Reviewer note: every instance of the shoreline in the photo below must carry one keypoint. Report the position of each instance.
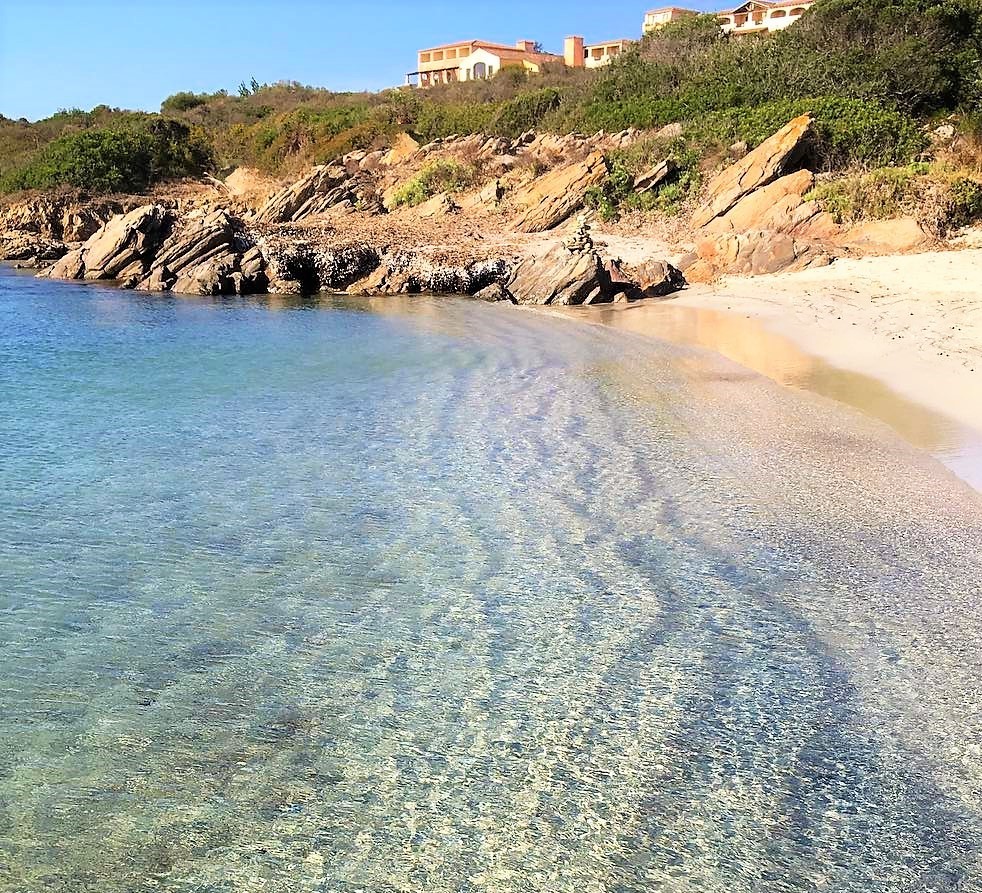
(898, 338)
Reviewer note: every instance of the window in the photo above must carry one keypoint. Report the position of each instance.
(451, 54)
(424, 57)
(438, 56)
(778, 14)
(797, 11)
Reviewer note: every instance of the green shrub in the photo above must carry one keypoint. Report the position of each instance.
(436, 177)
(877, 194)
(847, 132)
(124, 159)
(183, 102)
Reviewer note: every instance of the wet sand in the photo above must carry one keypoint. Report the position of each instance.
(871, 334)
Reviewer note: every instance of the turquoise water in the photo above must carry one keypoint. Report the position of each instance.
(428, 595)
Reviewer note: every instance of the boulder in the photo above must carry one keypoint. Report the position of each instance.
(752, 254)
(894, 236)
(779, 206)
(655, 176)
(560, 277)
(402, 149)
(657, 278)
(495, 292)
(71, 266)
(325, 186)
(550, 199)
(773, 158)
(439, 205)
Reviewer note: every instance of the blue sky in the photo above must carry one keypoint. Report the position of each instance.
(58, 54)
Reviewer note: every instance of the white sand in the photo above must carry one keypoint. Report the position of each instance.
(912, 321)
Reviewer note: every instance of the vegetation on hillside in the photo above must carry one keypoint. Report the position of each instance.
(873, 72)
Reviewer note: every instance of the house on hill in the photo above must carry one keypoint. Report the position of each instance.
(472, 60)
(751, 17)
(762, 16)
(658, 18)
(479, 59)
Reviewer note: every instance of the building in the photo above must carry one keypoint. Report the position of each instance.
(762, 16)
(479, 59)
(475, 60)
(597, 54)
(657, 18)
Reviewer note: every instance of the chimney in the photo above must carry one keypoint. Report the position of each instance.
(573, 52)
(526, 46)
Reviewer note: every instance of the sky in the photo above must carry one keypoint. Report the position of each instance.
(56, 54)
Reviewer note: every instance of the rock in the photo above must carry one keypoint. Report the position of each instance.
(30, 249)
(894, 236)
(127, 243)
(548, 200)
(321, 189)
(495, 292)
(296, 266)
(778, 206)
(658, 278)
(439, 205)
(402, 149)
(753, 253)
(558, 277)
(207, 255)
(670, 131)
(214, 276)
(773, 158)
(655, 176)
(580, 240)
(738, 149)
(71, 266)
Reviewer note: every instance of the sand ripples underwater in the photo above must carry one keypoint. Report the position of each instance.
(412, 595)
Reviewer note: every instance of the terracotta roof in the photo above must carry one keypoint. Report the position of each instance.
(671, 9)
(486, 44)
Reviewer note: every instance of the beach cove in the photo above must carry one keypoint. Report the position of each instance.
(425, 593)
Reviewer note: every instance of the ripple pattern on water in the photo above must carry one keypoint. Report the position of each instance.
(409, 595)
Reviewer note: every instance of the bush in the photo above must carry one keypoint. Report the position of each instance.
(123, 159)
(437, 177)
(183, 102)
(848, 132)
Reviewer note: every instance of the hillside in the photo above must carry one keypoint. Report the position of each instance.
(872, 73)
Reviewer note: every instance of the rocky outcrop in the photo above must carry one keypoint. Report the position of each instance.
(325, 187)
(752, 253)
(59, 218)
(29, 249)
(779, 206)
(296, 265)
(208, 255)
(550, 199)
(412, 272)
(561, 277)
(123, 248)
(773, 158)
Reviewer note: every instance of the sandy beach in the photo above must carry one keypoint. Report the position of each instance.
(897, 337)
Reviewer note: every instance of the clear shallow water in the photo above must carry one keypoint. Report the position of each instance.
(432, 595)
(750, 343)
